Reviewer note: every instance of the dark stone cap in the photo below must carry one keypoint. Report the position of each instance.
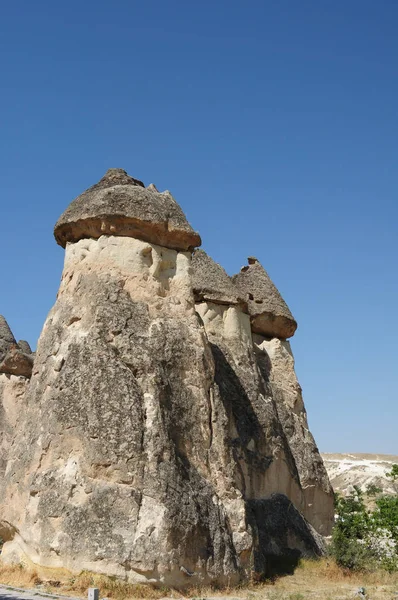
(6, 338)
(269, 313)
(211, 282)
(121, 205)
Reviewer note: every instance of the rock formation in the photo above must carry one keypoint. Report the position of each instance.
(15, 369)
(272, 322)
(269, 313)
(160, 441)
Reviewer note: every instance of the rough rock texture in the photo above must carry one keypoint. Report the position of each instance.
(17, 362)
(267, 425)
(6, 338)
(12, 390)
(211, 282)
(276, 363)
(269, 313)
(155, 441)
(120, 205)
(15, 367)
(25, 346)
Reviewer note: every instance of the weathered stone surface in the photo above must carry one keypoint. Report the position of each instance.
(25, 346)
(269, 313)
(156, 441)
(17, 362)
(140, 455)
(268, 458)
(276, 363)
(120, 205)
(6, 338)
(13, 363)
(211, 282)
(113, 457)
(12, 389)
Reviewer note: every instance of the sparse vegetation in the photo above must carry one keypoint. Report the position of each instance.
(313, 580)
(367, 539)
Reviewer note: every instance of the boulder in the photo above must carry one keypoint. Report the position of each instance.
(121, 205)
(269, 313)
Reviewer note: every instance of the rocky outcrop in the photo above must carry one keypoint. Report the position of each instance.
(25, 346)
(153, 445)
(211, 282)
(6, 338)
(276, 363)
(15, 369)
(17, 362)
(256, 377)
(121, 205)
(269, 313)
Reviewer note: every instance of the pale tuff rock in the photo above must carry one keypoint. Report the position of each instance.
(152, 444)
(12, 389)
(15, 368)
(120, 205)
(269, 313)
(276, 363)
(116, 442)
(362, 470)
(270, 459)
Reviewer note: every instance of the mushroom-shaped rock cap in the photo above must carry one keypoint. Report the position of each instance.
(269, 313)
(121, 205)
(17, 362)
(211, 282)
(25, 346)
(6, 338)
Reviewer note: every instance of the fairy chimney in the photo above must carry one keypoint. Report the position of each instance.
(150, 446)
(269, 313)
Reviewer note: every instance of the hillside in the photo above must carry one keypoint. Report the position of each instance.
(347, 470)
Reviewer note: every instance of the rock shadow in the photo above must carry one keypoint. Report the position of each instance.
(281, 534)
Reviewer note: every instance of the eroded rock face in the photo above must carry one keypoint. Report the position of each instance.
(260, 461)
(158, 441)
(276, 363)
(12, 390)
(115, 449)
(15, 369)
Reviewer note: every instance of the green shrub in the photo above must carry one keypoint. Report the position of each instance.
(365, 540)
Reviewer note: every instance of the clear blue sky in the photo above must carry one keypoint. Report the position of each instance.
(273, 123)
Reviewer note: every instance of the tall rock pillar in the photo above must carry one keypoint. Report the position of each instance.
(272, 323)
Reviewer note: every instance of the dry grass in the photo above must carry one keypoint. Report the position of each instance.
(324, 580)
(312, 580)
